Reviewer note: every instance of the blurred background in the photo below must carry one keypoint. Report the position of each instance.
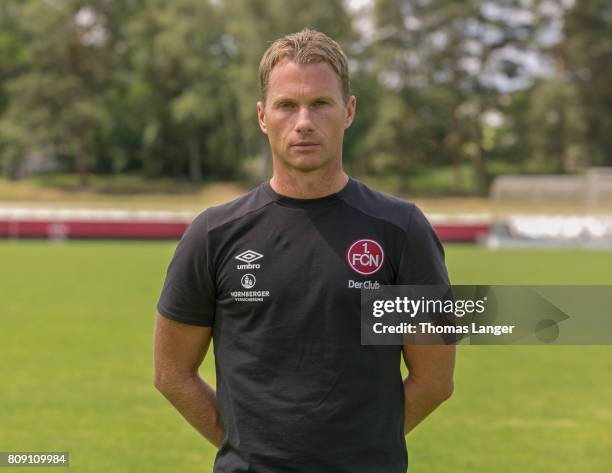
(115, 95)
(120, 120)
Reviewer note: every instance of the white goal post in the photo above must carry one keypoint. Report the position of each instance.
(553, 210)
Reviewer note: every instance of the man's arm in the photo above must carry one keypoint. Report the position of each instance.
(179, 351)
(429, 382)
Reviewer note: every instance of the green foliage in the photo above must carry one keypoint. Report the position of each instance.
(556, 126)
(170, 88)
(587, 56)
(445, 67)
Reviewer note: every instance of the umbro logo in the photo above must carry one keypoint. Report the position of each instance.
(249, 256)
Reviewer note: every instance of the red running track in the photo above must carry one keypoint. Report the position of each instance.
(171, 230)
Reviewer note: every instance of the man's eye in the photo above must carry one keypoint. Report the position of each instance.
(285, 105)
(320, 103)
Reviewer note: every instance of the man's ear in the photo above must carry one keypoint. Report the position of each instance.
(350, 108)
(261, 117)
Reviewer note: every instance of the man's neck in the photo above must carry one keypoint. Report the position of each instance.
(311, 185)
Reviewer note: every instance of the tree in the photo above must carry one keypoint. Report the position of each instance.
(12, 61)
(587, 57)
(56, 99)
(556, 125)
(183, 73)
(453, 61)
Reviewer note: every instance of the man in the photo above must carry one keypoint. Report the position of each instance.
(274, 276)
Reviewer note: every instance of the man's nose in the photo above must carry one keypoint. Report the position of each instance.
(304, 121)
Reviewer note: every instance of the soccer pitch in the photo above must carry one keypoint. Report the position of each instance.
(76, 328)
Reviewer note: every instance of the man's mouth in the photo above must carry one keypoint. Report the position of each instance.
(305, 145)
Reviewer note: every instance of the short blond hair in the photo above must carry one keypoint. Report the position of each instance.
(305, 47)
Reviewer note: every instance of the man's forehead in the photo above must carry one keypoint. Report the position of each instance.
(288, 77)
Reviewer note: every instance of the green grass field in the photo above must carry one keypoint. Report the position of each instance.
(76, 324)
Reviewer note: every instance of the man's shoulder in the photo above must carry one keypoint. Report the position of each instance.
(380, 205)
(219, 215)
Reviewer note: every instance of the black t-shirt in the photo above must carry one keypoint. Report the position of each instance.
(279, 281)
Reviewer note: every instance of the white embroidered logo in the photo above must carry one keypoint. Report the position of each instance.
(249, 256)
(248, 281)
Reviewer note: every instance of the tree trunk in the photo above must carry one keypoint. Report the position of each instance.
(195, 171)
(457, 161)
(479, 171)
(404, 172)
(81, 163)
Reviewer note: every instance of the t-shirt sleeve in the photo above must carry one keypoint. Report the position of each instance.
(422, 259)
(188, 294)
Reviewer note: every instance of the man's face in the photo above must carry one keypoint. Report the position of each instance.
(305, 116)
